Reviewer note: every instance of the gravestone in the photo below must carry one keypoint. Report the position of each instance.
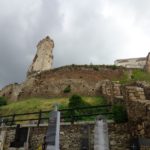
(20, 137)
(52, 135)
(101, 141)
(2, 139)
(138, 143)
(85, 138)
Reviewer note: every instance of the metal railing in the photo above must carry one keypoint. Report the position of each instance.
(68, 115)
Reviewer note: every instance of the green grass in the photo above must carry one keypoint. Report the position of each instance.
(125, 78)
(140, 75)
(135, 75)
(30, 105)
(36, 104)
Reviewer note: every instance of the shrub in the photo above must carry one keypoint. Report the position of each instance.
(95, 68)
(2, 101)
(139, 74)
(120, 113)
(67, 89)
(76, 101)
(114, 67)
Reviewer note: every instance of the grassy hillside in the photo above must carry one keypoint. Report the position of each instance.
(135, 75)
(36, 104)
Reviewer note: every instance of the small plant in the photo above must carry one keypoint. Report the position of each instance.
(95, 68)
(114, 67)
(2, 101)
(67, 89)
(73, 65)
(120, 113)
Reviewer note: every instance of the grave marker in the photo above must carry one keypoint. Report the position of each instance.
(52, 135)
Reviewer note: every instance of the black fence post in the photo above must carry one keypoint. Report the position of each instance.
(39, 119)
(13, 119)
(72, 112)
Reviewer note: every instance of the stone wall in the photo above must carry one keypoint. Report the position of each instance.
(134, 93)
(71, 136)
(139, 117)
(136, 102)
(84, 80)
(111, 90)
(11, 92)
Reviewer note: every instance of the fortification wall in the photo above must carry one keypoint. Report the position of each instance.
(84, 80)
(11, 92)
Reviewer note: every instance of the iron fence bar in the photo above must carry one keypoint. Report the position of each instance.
(86, 115)
(78, 108)
(39, 119)
(68, 109)
(61, 110)
(6, 116)
(25, 119)
(45, 118)
(23, 114)
(13, 119)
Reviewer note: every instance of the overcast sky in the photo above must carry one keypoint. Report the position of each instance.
(84, 32)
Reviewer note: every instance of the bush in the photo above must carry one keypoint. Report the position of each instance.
(76, 101)
(114, 67)
(141, 75)
(95, 68)
(67, 89)
(120, 113)
(2, 101)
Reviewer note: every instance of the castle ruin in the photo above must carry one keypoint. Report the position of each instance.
(44, 58)
(140, 63)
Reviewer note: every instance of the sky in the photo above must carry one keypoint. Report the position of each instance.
(84, 32)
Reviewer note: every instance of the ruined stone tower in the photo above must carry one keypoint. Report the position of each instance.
(44, 57)
(147, 66)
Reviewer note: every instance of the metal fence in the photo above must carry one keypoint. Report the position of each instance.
(67, 115)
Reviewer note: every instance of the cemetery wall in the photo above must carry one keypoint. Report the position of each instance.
(71, 136)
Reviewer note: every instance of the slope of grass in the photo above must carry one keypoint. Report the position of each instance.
(140, 75)
(135, 75)
(36, 104)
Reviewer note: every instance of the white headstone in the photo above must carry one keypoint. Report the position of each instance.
(101, 141)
